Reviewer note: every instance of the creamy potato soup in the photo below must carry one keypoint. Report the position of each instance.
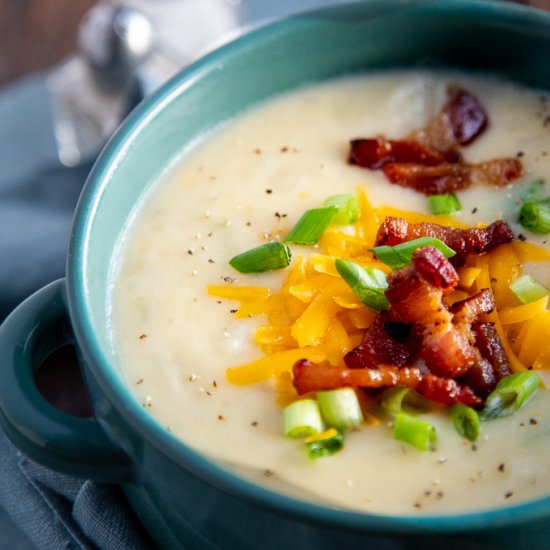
(249, 183)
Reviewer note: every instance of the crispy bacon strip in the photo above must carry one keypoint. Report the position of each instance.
(461, 120)
(385, 341)
(377, 152)
(447, 391)
(463, 241)
(447, 177)
(310, 377)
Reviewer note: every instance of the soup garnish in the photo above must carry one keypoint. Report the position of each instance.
(423, 318)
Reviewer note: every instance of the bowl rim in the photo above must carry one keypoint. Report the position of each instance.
(120, 395)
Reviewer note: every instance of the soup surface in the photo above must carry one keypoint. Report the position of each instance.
(250, 182)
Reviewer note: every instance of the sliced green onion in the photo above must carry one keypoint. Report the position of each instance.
(266, 257)
(311, 225)
(400, 255)
(340, 408)
(444, 204)
(403, 399)
(511, 394)
(528, 289)
(302, 418)
(348, 208)
(414, 431)
(328, 446)
(535, 216)
(368, 283)
(466, 421)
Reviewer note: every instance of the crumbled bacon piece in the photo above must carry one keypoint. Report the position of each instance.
(469, 310)
(481, 377)
(430, 263)
(310, 377)
(466, 115)
(385, 341)
(448, 351)
(460, 121)
(463, 241)
(496, 172)
(490, 348)
(447, 177)
(414, 297)
(431, 180)
(429, 160)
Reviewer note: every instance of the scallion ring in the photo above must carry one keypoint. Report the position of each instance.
(348, 209)
(325, 445)
(444, 204)
(368, 283)
(535, 216)
(311, 225)
(466, 421)
(403, 399)
(528, 289)
(511, 393)
(265, 257)
(340, 408)
(302, 418)
(416, 432)
(400, 255)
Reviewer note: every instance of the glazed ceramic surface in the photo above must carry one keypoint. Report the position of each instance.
(183, 499)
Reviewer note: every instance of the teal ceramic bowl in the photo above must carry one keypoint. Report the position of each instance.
(184, 500)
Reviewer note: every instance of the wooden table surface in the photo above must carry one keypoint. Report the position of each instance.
(35, 34)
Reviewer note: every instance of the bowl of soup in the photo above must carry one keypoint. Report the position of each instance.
(270, 360)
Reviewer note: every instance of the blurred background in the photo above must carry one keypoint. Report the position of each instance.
(37, 34)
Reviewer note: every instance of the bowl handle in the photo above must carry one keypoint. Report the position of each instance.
(76, 446)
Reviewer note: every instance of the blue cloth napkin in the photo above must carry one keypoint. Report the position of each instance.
(57, 511)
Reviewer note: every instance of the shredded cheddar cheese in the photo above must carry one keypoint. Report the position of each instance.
(241, 293)
(520, 314)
